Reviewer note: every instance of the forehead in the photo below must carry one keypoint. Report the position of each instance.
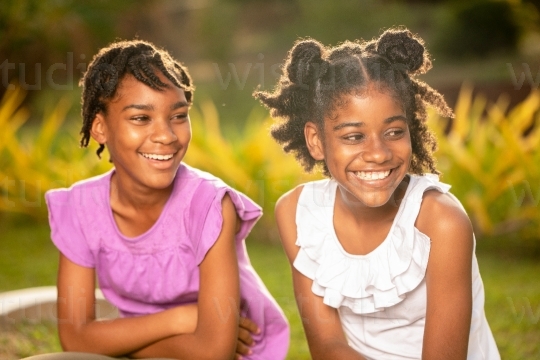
(130, 87)
(368, 103)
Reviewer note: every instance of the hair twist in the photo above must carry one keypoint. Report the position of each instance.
(317, 80)
(106, 70)
(401, 48)
(305, 62)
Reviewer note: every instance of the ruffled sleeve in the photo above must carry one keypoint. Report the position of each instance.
(364, 283)
(66, 231)
(207, 219)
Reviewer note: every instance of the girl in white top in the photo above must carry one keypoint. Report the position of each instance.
(382, 256)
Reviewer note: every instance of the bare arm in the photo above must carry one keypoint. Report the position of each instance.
(448, 277)
(80, 331)
(218, 303)
(321, 323)
(211, 335)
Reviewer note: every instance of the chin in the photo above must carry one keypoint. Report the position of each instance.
(161, 182)
(376, 200)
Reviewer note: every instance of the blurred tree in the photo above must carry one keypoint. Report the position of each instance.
(35, 34)
(478, 28)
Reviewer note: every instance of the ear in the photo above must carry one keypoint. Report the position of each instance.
(314, 140)
(99, 129)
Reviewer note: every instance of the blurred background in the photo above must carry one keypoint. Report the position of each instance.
(486, 63)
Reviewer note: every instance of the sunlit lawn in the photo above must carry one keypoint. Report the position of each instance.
(28, 259)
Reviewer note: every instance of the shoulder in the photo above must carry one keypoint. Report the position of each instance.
(80, 193)
(286, 205)
(318, 193)
(285, 213)
(208, 188)
(289, 199)
(444, 220)
(197, 177)
(210, 200)
(200, 186)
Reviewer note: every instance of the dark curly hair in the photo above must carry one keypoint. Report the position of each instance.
(108, 67)
(315, 79)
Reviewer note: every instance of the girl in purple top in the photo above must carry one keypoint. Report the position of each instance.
(165, 240)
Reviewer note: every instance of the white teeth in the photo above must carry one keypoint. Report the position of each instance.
(157, 157)
(372, 175)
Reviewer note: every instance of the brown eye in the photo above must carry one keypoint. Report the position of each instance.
(354, 137)
(180, 117)
(139, 118)
(395, 133)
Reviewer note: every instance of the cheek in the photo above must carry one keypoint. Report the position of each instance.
(406, 149)
(409, 145)
(132, 136)
(183, 133)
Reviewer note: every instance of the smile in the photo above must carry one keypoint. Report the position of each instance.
(158, 157)
(372, 175)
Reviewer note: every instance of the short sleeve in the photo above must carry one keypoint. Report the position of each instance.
(66, 231)
(206, 216)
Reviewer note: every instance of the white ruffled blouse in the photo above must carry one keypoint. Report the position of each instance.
(381, 296)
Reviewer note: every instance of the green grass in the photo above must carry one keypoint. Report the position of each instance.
(513, 304)
(512, 293)
(23, 339)
(27, 257)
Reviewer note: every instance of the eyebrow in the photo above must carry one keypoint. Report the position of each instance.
(139, 107)
(360, 123)
(177, 105)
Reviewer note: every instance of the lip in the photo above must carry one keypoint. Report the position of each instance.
(159, 160)
(373, 174)
(158, 155)
(375, 182)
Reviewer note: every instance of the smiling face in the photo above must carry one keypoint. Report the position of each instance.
(366, 146)
(147, 133)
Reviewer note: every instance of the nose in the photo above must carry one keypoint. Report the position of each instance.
(163, 132)
(376, 151)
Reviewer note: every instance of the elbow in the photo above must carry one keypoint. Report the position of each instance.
(219, 349)
(222, 353)
(68, 343)
(73, 343)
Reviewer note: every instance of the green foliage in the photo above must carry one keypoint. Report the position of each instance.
(490, 157)
(34, 160)
(478, 28)
(252, 162)
(26, 338)
(512, 304)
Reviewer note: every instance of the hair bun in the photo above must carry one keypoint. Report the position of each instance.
(402, 47)
(301, 57)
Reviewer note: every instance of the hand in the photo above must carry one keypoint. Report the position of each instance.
(246, 327)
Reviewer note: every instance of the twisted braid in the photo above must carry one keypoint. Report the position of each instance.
(138, 58)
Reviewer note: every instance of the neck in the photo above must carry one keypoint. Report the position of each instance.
(137, 196)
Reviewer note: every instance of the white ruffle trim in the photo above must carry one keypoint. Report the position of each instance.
(364, 283)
